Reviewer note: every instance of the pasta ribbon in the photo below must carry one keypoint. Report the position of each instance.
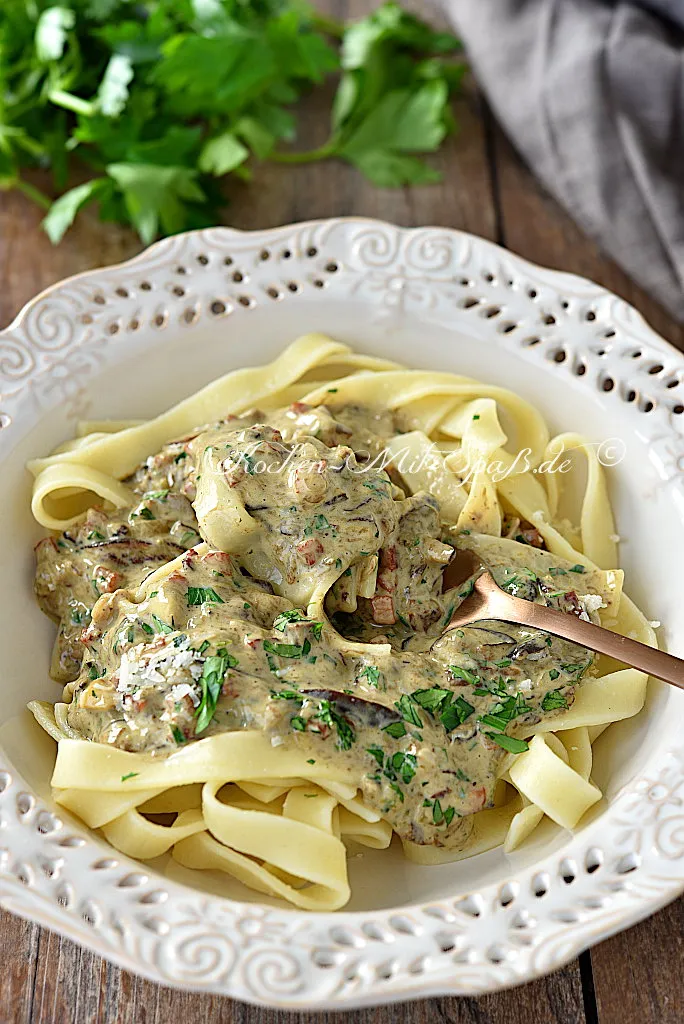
(258, 810)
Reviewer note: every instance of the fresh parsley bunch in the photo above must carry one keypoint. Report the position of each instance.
(160, 99)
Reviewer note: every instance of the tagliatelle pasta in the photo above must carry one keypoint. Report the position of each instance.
(248, 589)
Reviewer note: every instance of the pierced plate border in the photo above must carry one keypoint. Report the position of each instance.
(71, 881)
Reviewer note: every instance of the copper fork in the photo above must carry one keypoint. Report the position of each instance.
(486, 600)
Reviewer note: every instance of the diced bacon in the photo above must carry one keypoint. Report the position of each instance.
(234, 472)
(388, 558)
(309, 481)
(531, 535)
(43, 545)
(310, 550)
(219, 560)
(571, 604)
(387, 581)
(299, 408)
(478, 798)
(90, 633)
(383, 610)
(106, 580)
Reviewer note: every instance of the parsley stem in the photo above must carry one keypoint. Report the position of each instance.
(31, 192)
(327, 25)
(308, 156)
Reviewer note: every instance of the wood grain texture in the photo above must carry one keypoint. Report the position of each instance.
(638, 975)
(49, 980)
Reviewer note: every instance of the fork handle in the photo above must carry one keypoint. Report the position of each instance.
(569, 627)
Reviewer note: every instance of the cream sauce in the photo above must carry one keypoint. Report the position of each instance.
(220, 641)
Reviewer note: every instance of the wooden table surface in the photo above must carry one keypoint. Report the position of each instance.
(635, 976)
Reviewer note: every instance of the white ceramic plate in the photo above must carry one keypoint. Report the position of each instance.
(126, 342)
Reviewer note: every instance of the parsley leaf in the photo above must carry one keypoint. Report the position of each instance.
(160, 100)
(289, 615)
(203, 595)
(371, 674)
(554, 700)
(463, 673)
(287, 650)
(407, 710)
(211, 681)
(509, 743)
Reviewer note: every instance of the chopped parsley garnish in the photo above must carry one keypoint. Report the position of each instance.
(328, 715)
(554, 700)
(230, 658)
(203, 595)
(96, 535)
(431, 699)
(456, 713)
(371, 674)
(503, 663)
(161, 626)
(378, 753)
(441, 816)
(338, 563)
(289, 615)
(506, 711)
(575, 668)
(500, 716)
(554, 673)
(187, 537)
(408, 712)
(509, 743)
(577, 568)
(146, 513)
(317, 629)
(203, 646)
(95, 673)
(287, 650)
(311, 760)
(298, 723)
(129, 775)
(77, 616)
(286, 695)
(211, 681)
(467, 590)
(321, 523)
(395, 729)
(463, 673)
(180, 457)
(246, 605)
(146, 628)
(178, 736)
(403, 764)
(556, 571)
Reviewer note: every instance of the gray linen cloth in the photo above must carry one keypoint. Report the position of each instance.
(591, 93)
